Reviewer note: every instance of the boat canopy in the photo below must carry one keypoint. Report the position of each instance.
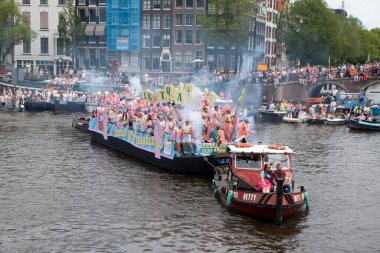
(259, 149)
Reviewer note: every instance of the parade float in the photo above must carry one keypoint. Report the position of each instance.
(154, 149)
(238, 186)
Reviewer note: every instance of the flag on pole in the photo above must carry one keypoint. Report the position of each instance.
(242, 96)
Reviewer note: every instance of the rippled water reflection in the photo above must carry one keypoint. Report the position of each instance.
(61, 193)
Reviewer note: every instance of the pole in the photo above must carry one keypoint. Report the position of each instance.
(280, 192)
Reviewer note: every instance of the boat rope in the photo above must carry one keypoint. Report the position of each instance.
(229, 197)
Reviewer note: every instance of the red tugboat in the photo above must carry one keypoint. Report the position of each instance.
(238, 187)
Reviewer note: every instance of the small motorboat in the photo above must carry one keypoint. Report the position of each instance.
(81, 123)
(302, 117)
(315, 121)
(363, 125)
(238, 186)
(336, 121)
(271, 115)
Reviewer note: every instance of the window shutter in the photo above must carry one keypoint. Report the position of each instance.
(44, 21)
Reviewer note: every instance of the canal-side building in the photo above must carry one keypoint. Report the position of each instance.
(188, 49)
(270, 34)
(93, 49)
(123, 34)
(45, 52)
(156, 37)
(255, 47)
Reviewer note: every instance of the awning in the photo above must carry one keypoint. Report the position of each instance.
(89, 31)
(100, 30)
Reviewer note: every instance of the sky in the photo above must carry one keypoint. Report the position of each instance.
(365, 10)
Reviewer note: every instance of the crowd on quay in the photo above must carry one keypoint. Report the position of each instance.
(303, 74)
(218, 125)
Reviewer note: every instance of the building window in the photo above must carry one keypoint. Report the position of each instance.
(102, 39)
(102, 59)
(156, 61)
(25, 1)
(146, 41)
(189, 3)
(156, 40)
(92, 57)
(189, 18)
(156, 22)
(197, 37)
(92, 14)
(178, 60)
(82, 2)
(91, 39)
(199, 55)
(167, 4)
(43, 1)
(26, 48)
(61, 1)
(60, 46)
(189, 37)
(44, 46)
(178, 3)
(92, 2)
(146, 22)
(44, 21)
(200, 3)
(102, 2)
(188, 59)
(166, 40)
(102, 15)
(146, 5)
(232, 63)
(220, 62)
(178, 36)
(156, 4)
(147, 62)
(178, 19)
(166, 22)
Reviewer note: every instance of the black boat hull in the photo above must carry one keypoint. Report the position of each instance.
(362, 126)
(195, 165)
(38, 106)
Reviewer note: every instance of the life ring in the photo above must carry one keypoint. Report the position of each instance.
(243, 145)
(275, 146)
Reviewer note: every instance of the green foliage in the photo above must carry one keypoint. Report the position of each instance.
(71, 29)
(313, 33)
(14, 27)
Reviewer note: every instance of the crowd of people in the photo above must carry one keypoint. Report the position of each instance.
(178, 123)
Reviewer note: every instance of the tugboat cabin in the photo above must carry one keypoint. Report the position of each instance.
(246, 164)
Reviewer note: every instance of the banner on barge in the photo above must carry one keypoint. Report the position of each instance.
(148, 142)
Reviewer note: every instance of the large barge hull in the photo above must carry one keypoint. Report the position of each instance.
(191, 164)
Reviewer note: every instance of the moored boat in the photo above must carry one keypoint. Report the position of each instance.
(81, 123)
(238, 187)
(302, 117)
(315, 121)
(363, 125)
(69, 107)
(38, 106)
(271, 115)
(336, 121)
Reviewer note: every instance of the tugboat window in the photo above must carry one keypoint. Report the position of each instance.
(248, 161)
(278, 158)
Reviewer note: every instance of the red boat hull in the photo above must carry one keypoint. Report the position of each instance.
(264, 206)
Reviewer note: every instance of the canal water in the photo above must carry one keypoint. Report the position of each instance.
(61, 193)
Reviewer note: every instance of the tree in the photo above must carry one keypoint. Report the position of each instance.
(15, 28)
(227, 23)
(71, 30)
(311, 32)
